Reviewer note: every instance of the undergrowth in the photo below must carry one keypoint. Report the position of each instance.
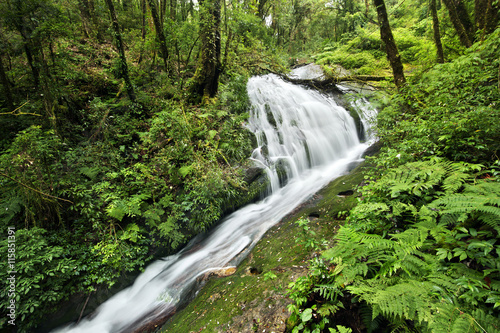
(420, 252)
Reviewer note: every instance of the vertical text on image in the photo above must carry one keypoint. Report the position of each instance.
(11, 280)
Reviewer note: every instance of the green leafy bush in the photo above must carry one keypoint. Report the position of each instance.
(451, 110)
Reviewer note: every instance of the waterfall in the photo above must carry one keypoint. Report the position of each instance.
(304, 141)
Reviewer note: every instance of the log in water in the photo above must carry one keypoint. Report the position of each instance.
(305, 140)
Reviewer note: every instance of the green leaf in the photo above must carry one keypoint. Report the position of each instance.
(185, 170)
(116, 210)
(306, 315)
(212, 134)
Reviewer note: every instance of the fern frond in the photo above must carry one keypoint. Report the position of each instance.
(328, 291)
(408, 299)
(478, 201)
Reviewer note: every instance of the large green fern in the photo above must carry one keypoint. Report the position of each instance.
(420, 251)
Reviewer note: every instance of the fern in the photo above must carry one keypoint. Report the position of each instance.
(420, 251)
(421, 178)
(408, 299)
(480, 202)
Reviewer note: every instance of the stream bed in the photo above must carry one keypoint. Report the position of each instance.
(305, 140)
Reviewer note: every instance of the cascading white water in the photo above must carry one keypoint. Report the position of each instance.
(367, 113)
(313, 141)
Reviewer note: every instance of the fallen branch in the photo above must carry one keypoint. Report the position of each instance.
(331, 81)
(84, 306)
(20, 113)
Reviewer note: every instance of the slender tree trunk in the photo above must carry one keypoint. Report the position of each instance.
(206, 79)
(226, 51)
(159, 33)
(173, 10)
(390, 44)
(143, 29)
(163, 11)
(458, 24)
(486, 15)
(437, 34)
(9, 101)
(47, 81)
(121, 51)
(34, 68)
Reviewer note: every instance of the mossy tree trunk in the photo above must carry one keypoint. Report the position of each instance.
(461, 21)
(486, 15)
(121, 50)
(437, 34)
(206, 79)
(96, 21)
(159, 33)
(390, 45)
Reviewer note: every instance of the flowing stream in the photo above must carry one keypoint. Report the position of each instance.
(304, 141)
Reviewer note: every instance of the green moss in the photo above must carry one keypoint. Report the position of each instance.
(259, 300)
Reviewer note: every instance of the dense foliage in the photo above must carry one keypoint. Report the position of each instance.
(420, 252)
(105, 160)
(109, 155)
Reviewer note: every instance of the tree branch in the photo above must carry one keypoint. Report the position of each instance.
(35, 190)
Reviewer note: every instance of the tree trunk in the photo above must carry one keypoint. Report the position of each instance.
(159, 33)
(390, 45)
(437, 34)
(163, 11)
(86, 17)
(9, 101)
(464, 17)
(121, 51)
(480, 9)
(458, 23)
(34, 67)
(143, 28)
(206, 79)
(486, 15)
(48, 82)
(173, 10)
(492, 16)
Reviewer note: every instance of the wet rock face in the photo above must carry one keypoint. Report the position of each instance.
(251, 174)
(308, 72)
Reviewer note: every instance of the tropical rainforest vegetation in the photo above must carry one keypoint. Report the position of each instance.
(122, 137)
